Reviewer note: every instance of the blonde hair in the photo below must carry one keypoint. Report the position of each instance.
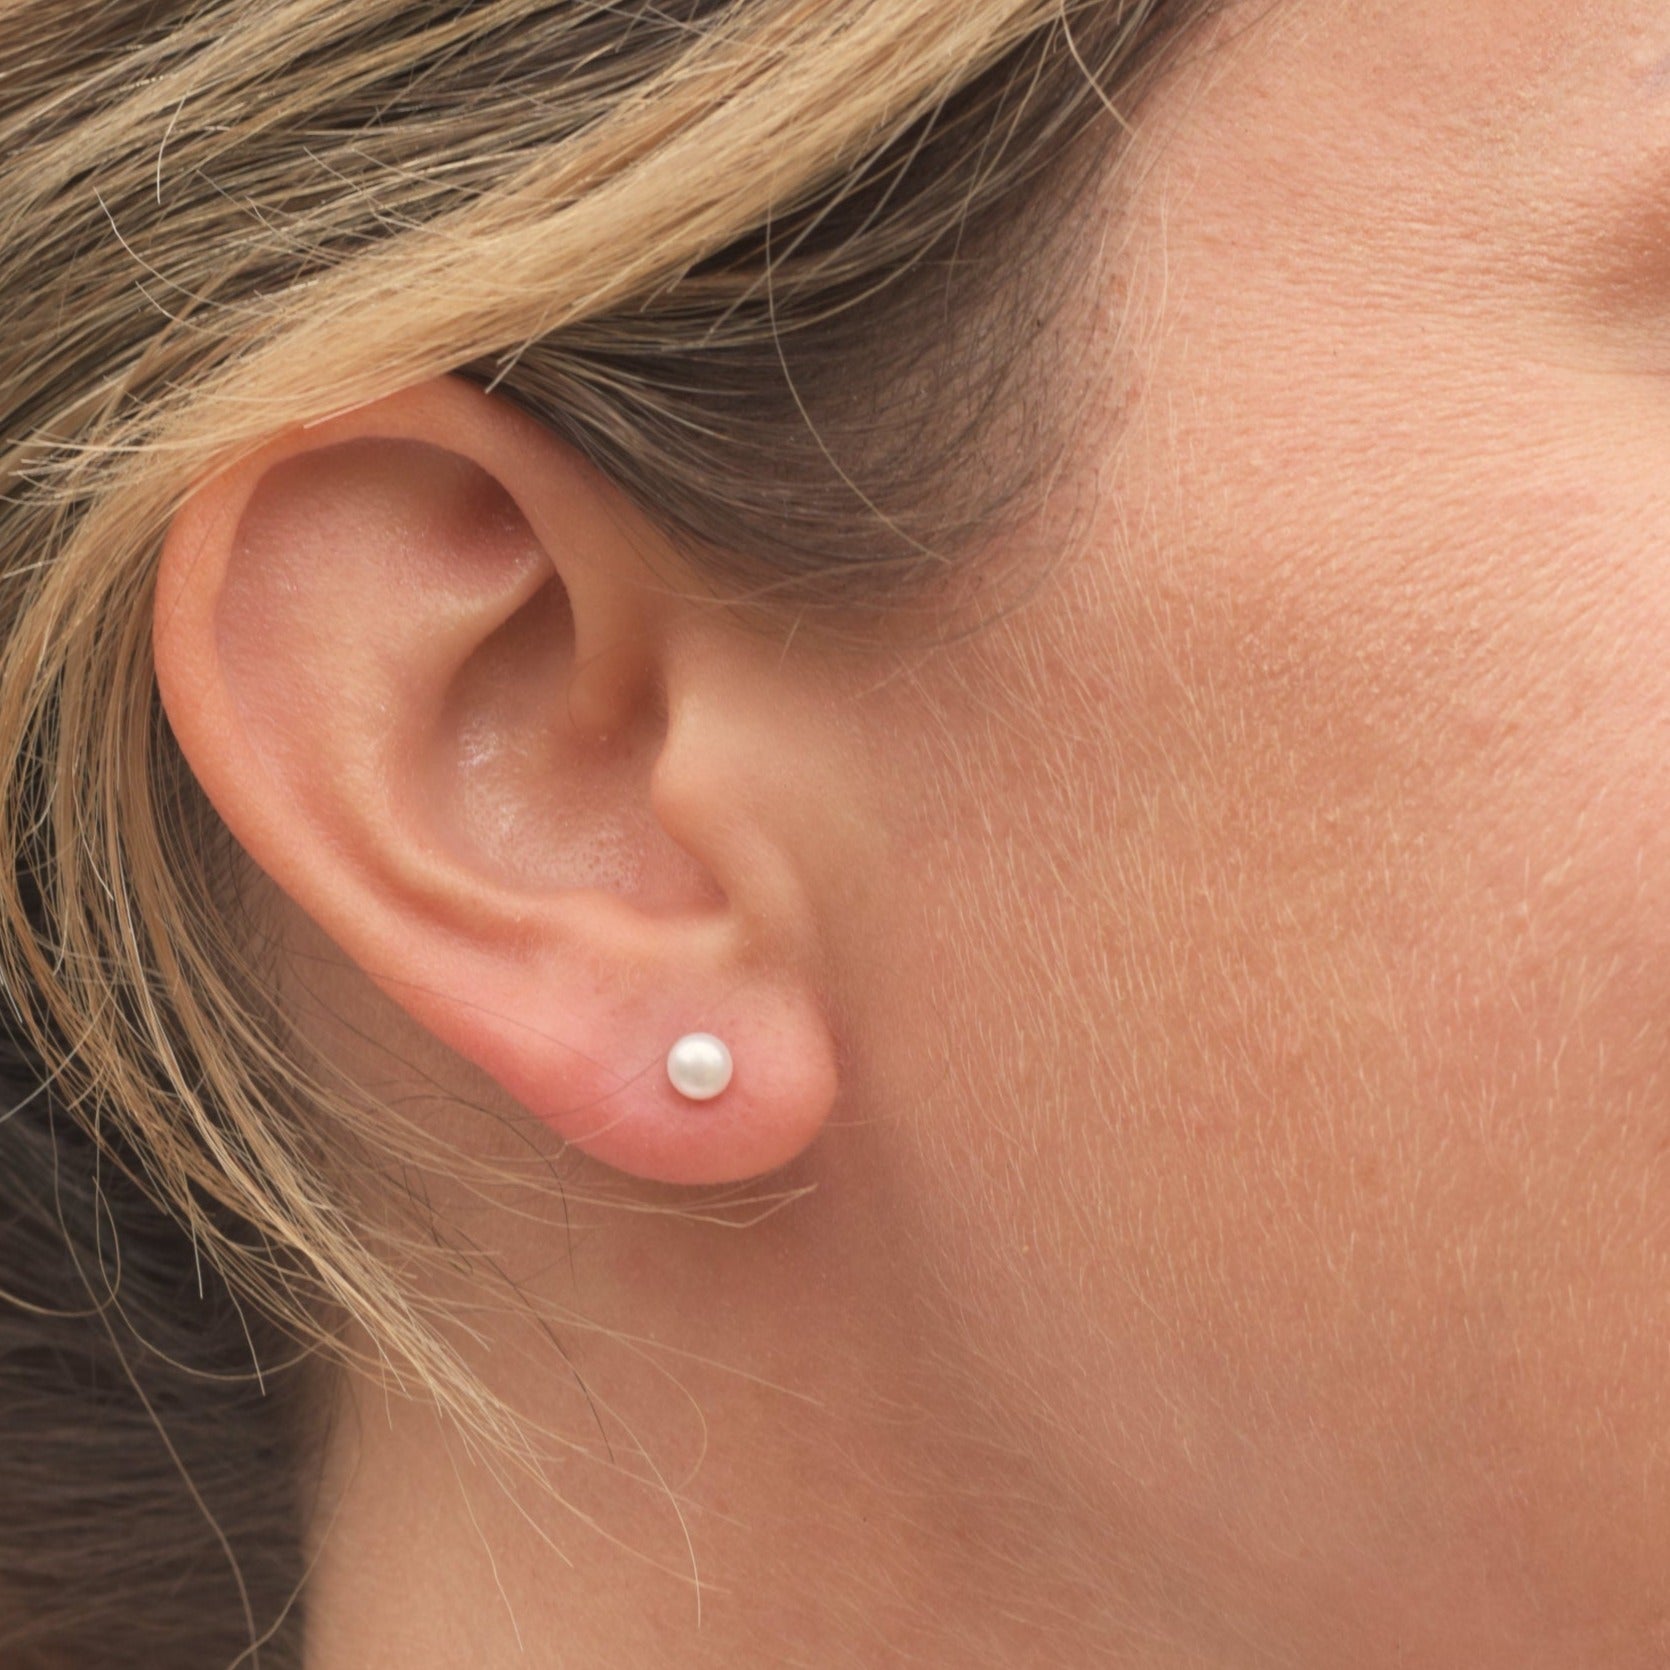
(668, 230)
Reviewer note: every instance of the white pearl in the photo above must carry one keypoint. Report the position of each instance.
(699, 1066)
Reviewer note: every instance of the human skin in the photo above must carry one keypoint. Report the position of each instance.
(1241, 1236)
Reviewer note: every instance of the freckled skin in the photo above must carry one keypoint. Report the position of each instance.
(1305, 1024)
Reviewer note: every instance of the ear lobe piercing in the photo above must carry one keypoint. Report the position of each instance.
(699, 1066)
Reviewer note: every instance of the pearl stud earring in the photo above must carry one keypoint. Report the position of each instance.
(699, 1066)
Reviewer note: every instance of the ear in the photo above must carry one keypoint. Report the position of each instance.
(417, 660)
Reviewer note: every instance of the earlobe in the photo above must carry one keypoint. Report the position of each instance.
(418, 663)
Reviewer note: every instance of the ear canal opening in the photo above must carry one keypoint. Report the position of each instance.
(541, 802)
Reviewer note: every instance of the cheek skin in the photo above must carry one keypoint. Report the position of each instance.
(1287, 1057)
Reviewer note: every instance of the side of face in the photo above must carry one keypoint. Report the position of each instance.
(1227, 970)
(1265, 999)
